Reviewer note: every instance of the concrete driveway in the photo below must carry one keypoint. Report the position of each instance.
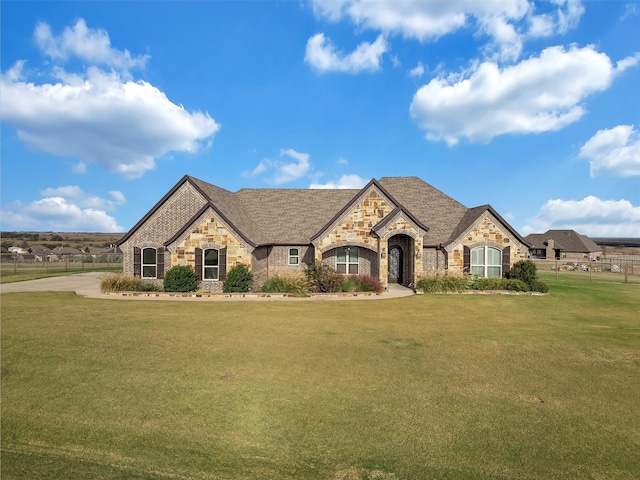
(88, 285)
(84, 284)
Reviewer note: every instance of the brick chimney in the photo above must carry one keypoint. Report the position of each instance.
(551, 251)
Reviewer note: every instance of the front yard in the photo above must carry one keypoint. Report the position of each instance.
(430, 386)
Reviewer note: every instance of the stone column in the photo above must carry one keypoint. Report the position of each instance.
(418, 264)
(383, 259)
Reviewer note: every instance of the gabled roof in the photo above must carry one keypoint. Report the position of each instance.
(472, 214)
(265, 216)
(567, 240)
(438, 211)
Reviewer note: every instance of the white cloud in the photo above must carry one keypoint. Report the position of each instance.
(590, 216)
(417, 71)
(121, 126)
(505, 22)
(322, 56)
(77, 196)
(614, 151)
(91, 45)
(539, 94)
(345, 181)
(284, 172)
(98, 117)
(65, 209)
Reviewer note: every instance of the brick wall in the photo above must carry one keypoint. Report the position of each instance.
(163, 224)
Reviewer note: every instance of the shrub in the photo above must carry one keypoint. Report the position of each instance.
(516, 285)
(444, 284)
(365, 283)
(180, 278)
(490, 283)
(122, 283)
(539, 286)
(239, 279)
(294, 283)
(524, 270)
(323, 278)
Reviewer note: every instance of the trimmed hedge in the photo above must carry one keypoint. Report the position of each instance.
(180, 278)
(239, 279)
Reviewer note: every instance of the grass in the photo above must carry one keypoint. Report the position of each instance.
(430, 386)
(34, 271)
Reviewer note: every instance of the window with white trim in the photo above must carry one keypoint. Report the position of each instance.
(149, 262)
(347, 260)
(294, 256)
(210, 264)
(486, 262)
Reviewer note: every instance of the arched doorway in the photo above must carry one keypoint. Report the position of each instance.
(395, 264)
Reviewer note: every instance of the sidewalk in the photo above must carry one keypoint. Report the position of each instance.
(88, 285)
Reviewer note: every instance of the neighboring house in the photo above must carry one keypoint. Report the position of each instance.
(396, 229)
(566, 245)
(41, 252)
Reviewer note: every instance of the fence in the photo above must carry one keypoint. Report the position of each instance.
(22, 262)
(624, 265)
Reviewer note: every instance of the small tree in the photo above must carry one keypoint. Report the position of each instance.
(239, 279)
(180, 278)
(526, 271)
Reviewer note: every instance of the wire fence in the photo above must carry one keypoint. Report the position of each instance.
(624, 265)
(28, 262)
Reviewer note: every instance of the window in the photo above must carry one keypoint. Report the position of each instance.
(294, 256)
(347, 260)
(211, 264)
(486, 262)
(149, 263)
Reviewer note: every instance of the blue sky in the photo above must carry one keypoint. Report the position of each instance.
(532, 107)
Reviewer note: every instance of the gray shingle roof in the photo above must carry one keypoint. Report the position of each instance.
(438, 211)
(567, 240)
(265, 216)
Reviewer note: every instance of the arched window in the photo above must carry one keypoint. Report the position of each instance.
(211, 264)
(486, 262)
(149, 262)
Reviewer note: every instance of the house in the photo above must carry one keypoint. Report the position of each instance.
(566, 245)
(41, 253)
(396, 229)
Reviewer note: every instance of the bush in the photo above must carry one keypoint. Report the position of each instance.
(322, 278)
(524, 270)
(515, 285)
(490, 283)
(539, 286)
(444, 284)
(287, 282)
(239, 279)
(180, 278)
(122, 283)
(360, 283)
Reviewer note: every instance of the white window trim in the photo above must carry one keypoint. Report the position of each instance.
(485, 265)
(154, 264)
(205, 267)
(290, 256)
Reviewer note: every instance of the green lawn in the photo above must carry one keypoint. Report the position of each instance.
(425, 387)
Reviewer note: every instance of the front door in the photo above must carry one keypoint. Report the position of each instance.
(395, 265)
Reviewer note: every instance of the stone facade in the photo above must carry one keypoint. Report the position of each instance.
(211, 233)
(485, 231)
(355, 227)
